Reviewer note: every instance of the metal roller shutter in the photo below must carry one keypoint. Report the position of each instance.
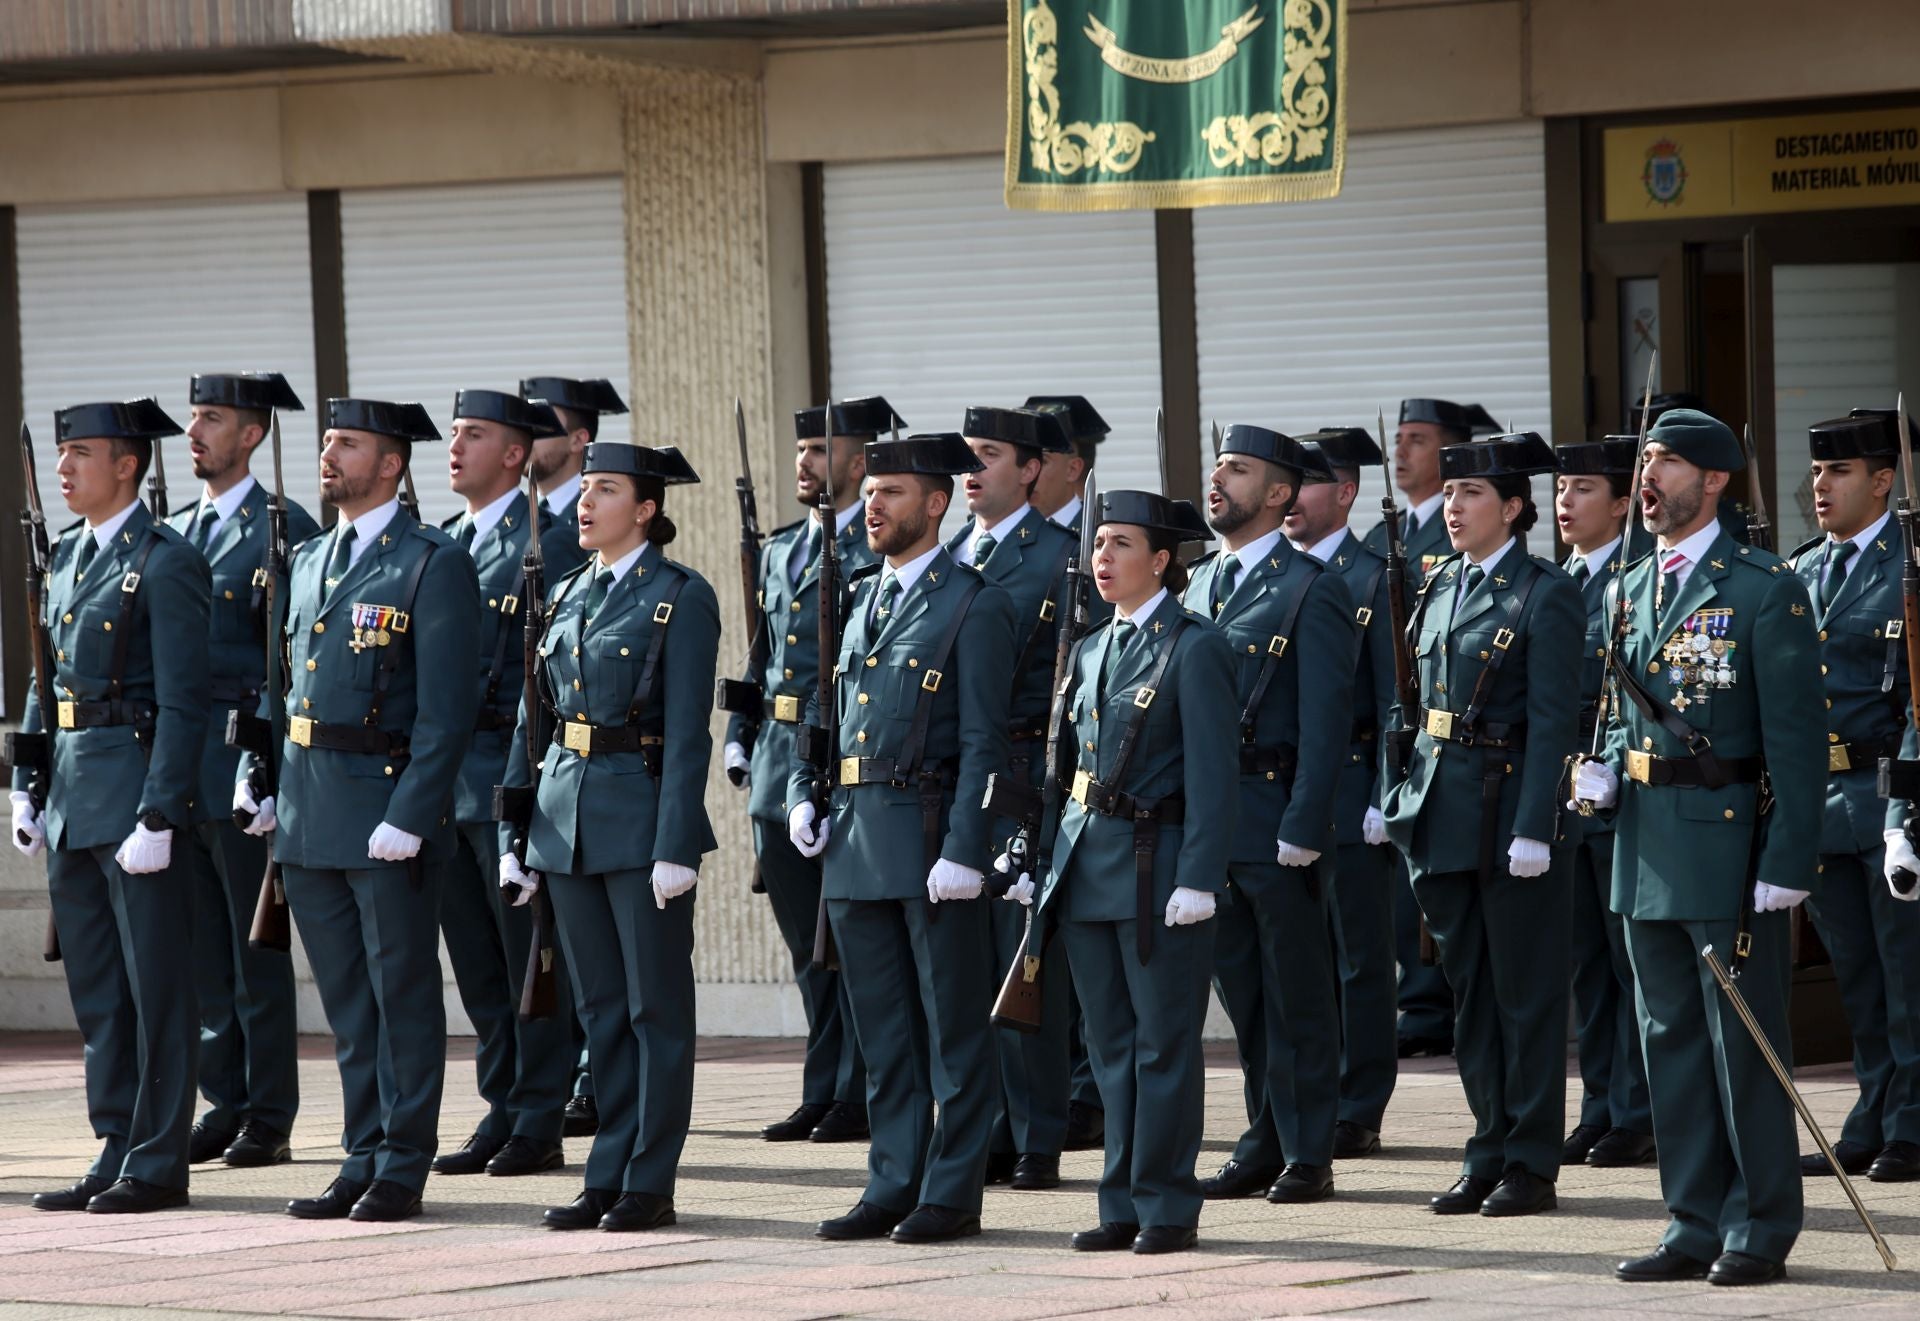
(939, 297)
(476, 286)
(1427, 276)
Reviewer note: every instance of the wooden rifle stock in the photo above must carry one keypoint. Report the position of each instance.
(1018, 1004)
(272, 924)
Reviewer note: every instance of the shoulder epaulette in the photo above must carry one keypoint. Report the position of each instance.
(785, 528)
(446, 524)
(864, 571)
(160, 528)
(1806, 546)
(1210, 555)
(433, 536)
(1762, 561)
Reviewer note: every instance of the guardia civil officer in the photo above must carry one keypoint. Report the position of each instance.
(922, 722)
(1497, 636)
(248, 1071)
(1360, 897)
(1852, 571)
(126, 624)
(380, 611)
(1616, 1127)
(762, 757)
(1710, 618)
(620, 823)
(1293, 640)
(1013, 544)
(524, 1069)
(1139, 860)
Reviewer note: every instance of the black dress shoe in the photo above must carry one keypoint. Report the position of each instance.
(844, 1122)
(581, 1118)
(1736, 1268)
(935, 1224)
(865, 1221)
(1108, 1236)
(75, 1197)
(1898, 1162)
(1854, 1159)
(1086, 1126)
(1520, 1193)
(637, 1211)
(1165, 1238)
(583, 1212)
(1351, 1140)
(1412, 1046)
(1621, 1147)
(386, 1201)
(1000, 1166)
(134, 1196)
(1034, 1171)
(525, 1156)
(1302, 1183)
(1238, 1179)
(472, 1157)
(1579, 1142)
(1662, 1264)
(1463, 1199)
(333, 1204)
(798, 1126)
(258, 1144)
(206, 1143)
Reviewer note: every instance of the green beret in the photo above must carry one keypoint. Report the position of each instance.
(1703, 441)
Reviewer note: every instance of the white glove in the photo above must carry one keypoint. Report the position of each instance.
(1900, 857)
(1775, 898)
(1292, 855)
(1594, 782)
(1528, 857)
(1021, 891)
(1373, 827)
(670, 881)
(391, 844)
(29, 836)
(810, 841)
(1188, 906)
(513, 875)
(145, 851)
(739, 766)
(264, 819)
(949, 880)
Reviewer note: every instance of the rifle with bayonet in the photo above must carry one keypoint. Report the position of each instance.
(272, 924)
(1759, 529)
(817, 743)
(410, 497)
(34, 752)
(157, 482)
(1899, 778)
(746, 697)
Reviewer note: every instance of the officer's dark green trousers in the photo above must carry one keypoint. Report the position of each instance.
(525, 1070)
(1503, 944)
(632, 967)
(919, 977)
(248, 1040)
(1425, 1001)
(1361, 905)
(1613, 1073)
(1728, 1166)
(1875, 942)
(832, 1070)
(1277, 985)
(1143, 1026)
(124, 944)
(1086, 1090)
(1036, 1068)
(373, 937)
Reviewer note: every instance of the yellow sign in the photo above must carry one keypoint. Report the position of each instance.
(1760, 166)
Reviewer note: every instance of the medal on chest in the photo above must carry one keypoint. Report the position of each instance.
(373, 626)
(1699, 657)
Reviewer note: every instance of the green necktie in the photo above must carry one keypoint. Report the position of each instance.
(805, 553)
(1123, 630)
(889, 593)
(1580, 571)
(983, 548)
(1224, 580)
(342, 560)
(597, 593)
(464, 534)
(1838, 554)
(203, 527)
(89, 546)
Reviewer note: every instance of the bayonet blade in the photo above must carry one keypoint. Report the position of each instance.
(740, 430)
(1906, 449)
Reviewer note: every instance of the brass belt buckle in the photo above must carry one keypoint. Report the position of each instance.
(1081, 779)
(300, 731)
(69, 715)
(577, 736)
(1439, 723)
(1640, 766)
(849, 771)
(787, 709)
(1837, 758)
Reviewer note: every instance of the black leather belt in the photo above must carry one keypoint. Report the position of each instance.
(856, 771)
(1859, 755)
(1108, 801)
(1448, 727)
(234, 692)
(578, 736)
(96, 715)
(1687, 772)
(1274, 763)
(492, 718)
(1028, 731)
(346, 738)
(784, 707)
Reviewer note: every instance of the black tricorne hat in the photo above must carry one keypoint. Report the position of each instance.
(868, 416)
(595, 396)
(1611, 456)
(1865, 433)
(1275, 448)
(133, 419)
(1468, 419)
(408, 422)
(1345, 447)
(1033, 428)
(665, 463)
(1083, 421)
(1513, 454)
(1666, 402)
(259, 391)
(931, 454)
(1150, 509)
(533, 416)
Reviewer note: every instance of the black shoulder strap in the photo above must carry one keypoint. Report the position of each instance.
(1049, 611)
(510, 605)
(908, 761)
(1149, 690)
(402, 625)
(1502, 640)
(1363, 613)
(1276, 649)
(656, 647)
(129, 588)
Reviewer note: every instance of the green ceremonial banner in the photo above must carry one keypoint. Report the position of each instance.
(1117, 104)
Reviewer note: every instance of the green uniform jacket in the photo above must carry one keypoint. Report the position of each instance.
(1681, 854)
(1187, 745)
(793, 659)
(498, 559)
(1593, 667)
(1864, 663)
(1362, 775)
(1426, 548)
(1028, 565)
(331, 801)
(236, 636)
(103, 779)
(1434, 815)
(1308, 704)
(605, 812)
(877, 849)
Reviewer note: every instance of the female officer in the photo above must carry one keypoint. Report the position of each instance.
(1136, 863)
(1498, 635)
(619, 823)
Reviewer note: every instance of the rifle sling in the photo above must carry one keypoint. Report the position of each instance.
(1276, 649)
(1049, 612)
